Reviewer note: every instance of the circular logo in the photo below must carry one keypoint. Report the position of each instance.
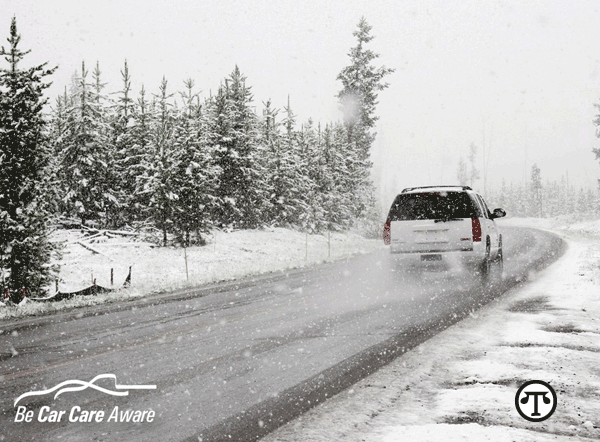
(535, 401)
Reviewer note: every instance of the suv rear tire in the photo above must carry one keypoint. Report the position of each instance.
(500, 258)
(486, 264)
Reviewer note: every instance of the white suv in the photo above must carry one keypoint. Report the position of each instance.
(439, 223)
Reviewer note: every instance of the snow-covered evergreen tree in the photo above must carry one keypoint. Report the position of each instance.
(330, 196)
(473, 171)
(281, 165)
(25, 250)
(361, 82)
(294, 184)
(159, 166)
(234, 135)
(341, 209)
(111, 202)
(58, 131)
(86, 155)
(196, 175)
(596, 121)
(127, 155)
(306, 140)
(462, 175)
(502, 197)
(274, 162)
(535, 189)
(220, 140)
(141, 154)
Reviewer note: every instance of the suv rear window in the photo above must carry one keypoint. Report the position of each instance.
(432, 205)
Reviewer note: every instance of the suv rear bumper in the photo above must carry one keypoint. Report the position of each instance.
(472, 255)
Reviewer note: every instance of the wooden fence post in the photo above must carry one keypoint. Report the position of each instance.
(306, 255)
(187, 276)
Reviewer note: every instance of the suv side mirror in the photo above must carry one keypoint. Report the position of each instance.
(498, 213)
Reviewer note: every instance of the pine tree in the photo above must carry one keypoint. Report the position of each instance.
(596, 121)
(461, 172)
(551, 198)
(127, 158)
(110, 204)
(275, 163)
(25, 250)
(220, 140)
(159, 167)
(473, 173)
(582, 203)
(86, 156)
(594, 201)
(331, 198)
(521, 201)
(141, 155)
(361, 83)
(502, 198)
(343, 197)
(325, 179)
(57, 134)
(536, 192)
(195, 175)
(294, 184)
(234, 134)
(283, 174)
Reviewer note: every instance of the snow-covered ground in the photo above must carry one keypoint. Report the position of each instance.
(461, 384)
(228, 255)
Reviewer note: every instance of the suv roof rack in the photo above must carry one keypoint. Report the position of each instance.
(408, 189)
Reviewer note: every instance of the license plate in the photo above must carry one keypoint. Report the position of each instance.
(431, 257)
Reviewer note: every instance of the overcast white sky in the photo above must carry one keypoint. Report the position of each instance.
(518, 78)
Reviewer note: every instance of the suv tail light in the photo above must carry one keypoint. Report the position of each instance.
(476, 228)
(387, 236)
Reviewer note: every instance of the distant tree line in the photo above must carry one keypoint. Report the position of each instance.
(545, 199)
(533, 198)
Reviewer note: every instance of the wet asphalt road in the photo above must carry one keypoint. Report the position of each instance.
(234, 361)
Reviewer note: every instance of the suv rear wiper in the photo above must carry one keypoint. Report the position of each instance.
(443, 220)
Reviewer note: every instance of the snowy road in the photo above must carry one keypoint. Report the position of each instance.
(241, 358)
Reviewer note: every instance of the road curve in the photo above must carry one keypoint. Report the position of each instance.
(234, 361)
